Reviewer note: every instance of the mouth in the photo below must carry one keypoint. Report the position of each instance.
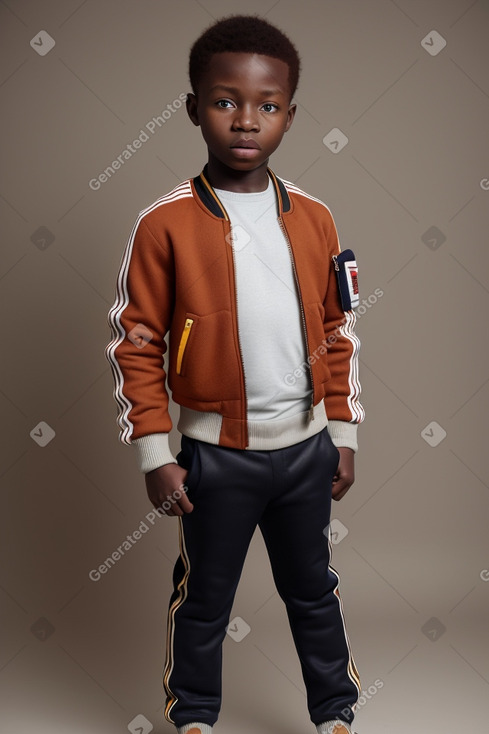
(247, 143)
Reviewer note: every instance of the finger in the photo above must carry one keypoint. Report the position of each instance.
(339, 489)
(185, 504)
(336, 494)
(181, 506)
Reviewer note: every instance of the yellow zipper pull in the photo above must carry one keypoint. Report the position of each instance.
(183, 344)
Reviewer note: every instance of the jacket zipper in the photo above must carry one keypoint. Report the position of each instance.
(303, 317)
(245, 411)
(230, 233)
(183, 344)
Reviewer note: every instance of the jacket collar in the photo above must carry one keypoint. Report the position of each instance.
(211, 201)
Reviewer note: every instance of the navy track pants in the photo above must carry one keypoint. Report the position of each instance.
(287, 492)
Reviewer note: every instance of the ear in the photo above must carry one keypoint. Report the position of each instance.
(192, 112)
(290, 116)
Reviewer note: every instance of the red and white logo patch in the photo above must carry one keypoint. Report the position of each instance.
(351, 271)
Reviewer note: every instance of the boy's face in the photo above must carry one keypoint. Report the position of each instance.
(243, 108)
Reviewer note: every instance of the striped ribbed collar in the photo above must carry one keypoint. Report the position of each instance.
(212, 202)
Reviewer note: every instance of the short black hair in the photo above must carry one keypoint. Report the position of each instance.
(243, 34)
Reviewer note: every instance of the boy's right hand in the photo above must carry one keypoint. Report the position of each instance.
(165, 485)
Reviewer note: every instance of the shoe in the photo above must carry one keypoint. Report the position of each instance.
(336, 727)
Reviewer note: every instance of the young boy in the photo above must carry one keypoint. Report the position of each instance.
(240, 268)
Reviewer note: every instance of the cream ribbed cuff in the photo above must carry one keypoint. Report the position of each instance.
(153, 451)
(343, 434)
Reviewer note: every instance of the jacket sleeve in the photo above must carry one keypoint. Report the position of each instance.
(139, 321)
(343, 406)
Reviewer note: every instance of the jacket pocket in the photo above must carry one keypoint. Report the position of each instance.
(203, 360)
(183, 344)
(318, 344)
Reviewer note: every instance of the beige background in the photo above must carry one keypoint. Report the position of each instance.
(84, 657)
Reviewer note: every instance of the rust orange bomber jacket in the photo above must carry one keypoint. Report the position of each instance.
(177, 277)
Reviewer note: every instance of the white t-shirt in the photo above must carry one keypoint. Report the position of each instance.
(269, 320)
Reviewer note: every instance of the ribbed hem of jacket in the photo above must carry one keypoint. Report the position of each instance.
(269, 435)
(262, 435)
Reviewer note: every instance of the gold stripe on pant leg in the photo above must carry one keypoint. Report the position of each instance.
(352, 668)
(182, 588)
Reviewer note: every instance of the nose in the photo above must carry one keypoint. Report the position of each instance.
(246, 119)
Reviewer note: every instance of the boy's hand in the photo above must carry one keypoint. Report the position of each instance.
(164, 485)
(345, 473)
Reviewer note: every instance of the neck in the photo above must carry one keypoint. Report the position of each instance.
(241, 182)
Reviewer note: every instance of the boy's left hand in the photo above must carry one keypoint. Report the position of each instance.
(345, 473)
